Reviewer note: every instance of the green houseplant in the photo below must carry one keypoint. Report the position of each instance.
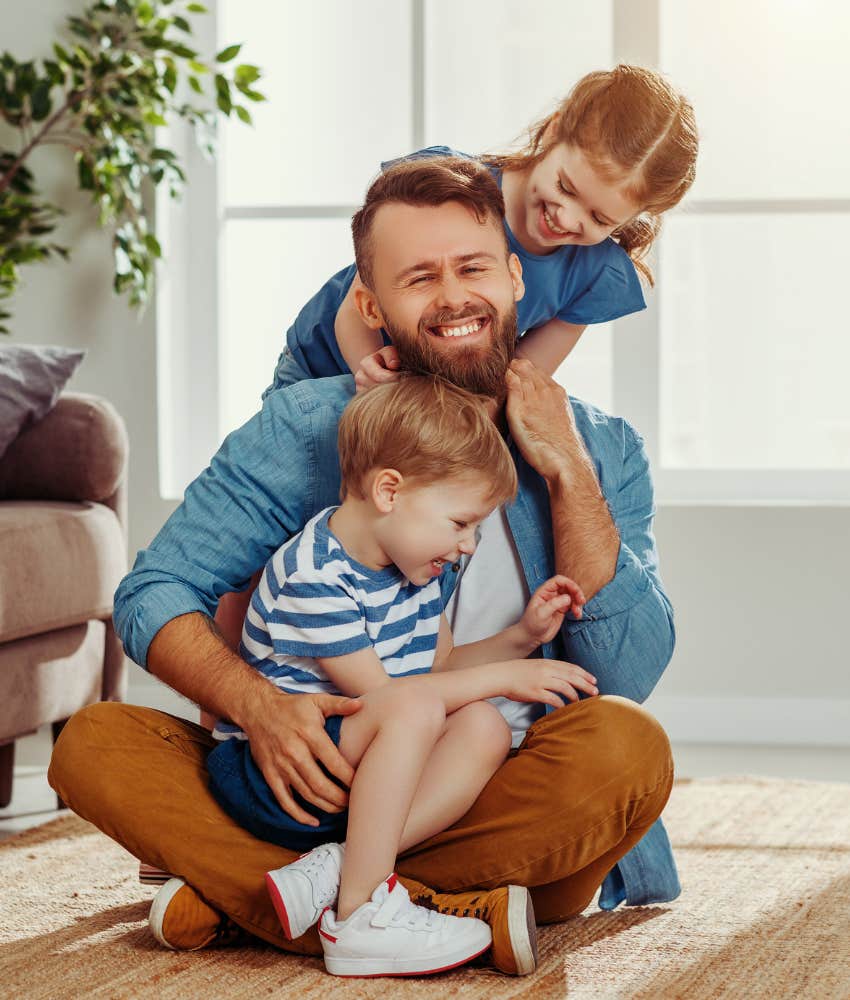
(128, 67)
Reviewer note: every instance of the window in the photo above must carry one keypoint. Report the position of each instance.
(734, 373)
(753, 343)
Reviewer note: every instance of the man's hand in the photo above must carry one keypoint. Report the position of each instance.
(540, 419)
(545, 612)
(287, 736)
(378, 369)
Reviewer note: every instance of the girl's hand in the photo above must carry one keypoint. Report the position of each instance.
(545, 681)
(548, 605)
(377, 369)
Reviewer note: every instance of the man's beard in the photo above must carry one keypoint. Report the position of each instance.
(478, 369)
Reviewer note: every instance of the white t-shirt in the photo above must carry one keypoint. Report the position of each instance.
(490, 595)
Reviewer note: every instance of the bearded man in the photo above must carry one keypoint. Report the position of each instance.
(578, 800)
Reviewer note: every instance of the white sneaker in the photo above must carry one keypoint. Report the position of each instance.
(301, 891)
(390, 936)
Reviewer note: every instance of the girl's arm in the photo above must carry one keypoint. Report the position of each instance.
(356, 340)
(546, 346)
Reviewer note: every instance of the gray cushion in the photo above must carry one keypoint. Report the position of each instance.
(31, 379)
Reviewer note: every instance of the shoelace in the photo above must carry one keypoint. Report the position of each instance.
(397, 910)
(317, 871)
(480, 912)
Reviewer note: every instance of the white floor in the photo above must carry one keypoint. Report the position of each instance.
(34, 802)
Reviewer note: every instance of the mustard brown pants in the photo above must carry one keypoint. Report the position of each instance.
(587, 783)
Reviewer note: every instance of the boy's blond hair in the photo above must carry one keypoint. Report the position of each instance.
(428, 430)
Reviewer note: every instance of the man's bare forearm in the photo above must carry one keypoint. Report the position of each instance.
(189, 654)
(586, 539)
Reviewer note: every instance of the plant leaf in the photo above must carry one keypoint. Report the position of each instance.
(40, 102)
(231, 52)
(153, 246)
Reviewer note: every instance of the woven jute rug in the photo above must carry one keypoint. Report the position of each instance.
(764, 913)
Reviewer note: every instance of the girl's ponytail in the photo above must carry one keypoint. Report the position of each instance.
(636, 238)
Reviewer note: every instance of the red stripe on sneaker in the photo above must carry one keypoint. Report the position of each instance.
(325, 934)
(279, 905)
(391, 881)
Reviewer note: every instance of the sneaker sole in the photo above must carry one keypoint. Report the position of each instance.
(370, 968)
(279, 906)
(522, 928)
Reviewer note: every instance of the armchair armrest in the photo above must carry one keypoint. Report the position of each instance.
(77, 452)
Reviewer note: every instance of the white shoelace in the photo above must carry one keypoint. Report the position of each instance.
(319, 872)
(398, 911)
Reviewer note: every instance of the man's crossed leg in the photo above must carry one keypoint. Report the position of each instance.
(587, 783)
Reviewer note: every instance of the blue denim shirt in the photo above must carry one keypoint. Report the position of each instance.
(273, 474)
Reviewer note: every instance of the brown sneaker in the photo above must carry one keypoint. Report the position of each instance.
(508, 911)
(182, 921)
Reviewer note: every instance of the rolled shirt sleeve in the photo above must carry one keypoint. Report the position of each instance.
(261, 487)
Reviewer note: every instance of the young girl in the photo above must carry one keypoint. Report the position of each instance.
(583, 201)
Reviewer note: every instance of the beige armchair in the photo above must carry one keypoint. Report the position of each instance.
(63, 550)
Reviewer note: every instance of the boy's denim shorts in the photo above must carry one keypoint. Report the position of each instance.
(238, 785)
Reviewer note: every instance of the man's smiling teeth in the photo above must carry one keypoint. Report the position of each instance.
(459, 331)
(552, 226)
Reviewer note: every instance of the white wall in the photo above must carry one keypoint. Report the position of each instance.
(762, 599)
(761, 593)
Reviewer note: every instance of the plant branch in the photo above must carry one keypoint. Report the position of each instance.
(9, 176)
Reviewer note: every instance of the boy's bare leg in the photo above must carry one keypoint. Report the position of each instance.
(417, 773)
(388, 741)
(474, 744)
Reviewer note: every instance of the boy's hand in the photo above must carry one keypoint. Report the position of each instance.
(548, 605)
(377, 369)
(546, 681)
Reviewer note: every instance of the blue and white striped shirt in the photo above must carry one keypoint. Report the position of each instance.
(314, 600)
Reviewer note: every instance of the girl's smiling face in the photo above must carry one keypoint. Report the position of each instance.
(566, 201)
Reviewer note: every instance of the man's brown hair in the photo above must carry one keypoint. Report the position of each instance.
(428, 430)
(432, 181)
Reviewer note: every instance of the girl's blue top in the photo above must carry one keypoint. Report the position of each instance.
(577, 284)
